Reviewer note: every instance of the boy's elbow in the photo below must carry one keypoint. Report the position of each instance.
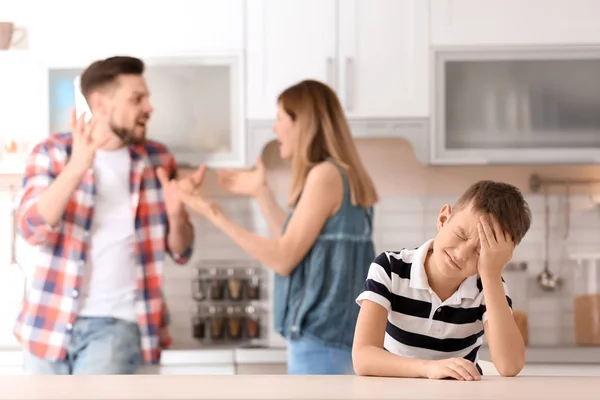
(358, 362)
(509, 372)
(510, 369)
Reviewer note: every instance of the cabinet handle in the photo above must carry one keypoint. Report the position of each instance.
(330, 72)
(349, 84)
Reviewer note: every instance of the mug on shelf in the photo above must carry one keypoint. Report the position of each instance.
(10, 35)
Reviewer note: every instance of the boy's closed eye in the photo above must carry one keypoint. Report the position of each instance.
(463, 236)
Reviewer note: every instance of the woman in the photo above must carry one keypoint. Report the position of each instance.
(322, 251)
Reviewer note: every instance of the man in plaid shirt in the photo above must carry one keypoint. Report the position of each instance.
(103, 205)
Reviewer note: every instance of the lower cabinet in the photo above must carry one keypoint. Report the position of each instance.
(216, 369)
(188, 369)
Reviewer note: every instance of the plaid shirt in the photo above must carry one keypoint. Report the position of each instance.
(44, 326)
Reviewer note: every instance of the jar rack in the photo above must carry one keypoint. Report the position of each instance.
(230, 303)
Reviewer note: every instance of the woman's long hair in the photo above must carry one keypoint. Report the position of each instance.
(324, 133)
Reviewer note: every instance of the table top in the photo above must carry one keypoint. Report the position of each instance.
(293, 387)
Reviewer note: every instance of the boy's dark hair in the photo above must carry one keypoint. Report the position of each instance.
(105, 72)
(503, 201)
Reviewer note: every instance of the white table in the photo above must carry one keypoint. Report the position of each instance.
(294, 387)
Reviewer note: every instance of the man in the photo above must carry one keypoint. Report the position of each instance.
(102, 204)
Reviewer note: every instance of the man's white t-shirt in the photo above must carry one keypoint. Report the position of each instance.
(109, 282)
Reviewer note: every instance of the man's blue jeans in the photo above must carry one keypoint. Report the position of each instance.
(309, 357)
(99, 346)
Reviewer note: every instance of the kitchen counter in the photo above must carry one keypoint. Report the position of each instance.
(293, 387)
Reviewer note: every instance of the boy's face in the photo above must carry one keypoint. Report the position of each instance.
(456, 246)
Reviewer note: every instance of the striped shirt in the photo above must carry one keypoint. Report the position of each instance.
(419, 324)
(45, 323)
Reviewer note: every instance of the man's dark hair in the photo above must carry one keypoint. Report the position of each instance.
(105, 72)
(503, 201)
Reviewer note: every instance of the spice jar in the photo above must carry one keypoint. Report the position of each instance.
(253, 285)
(252, 323)
(216, 286)
(217, 323)
(199, 325)
(234, 322)
(199, 289)
(515, 277)
(234, 285)
(587, 300)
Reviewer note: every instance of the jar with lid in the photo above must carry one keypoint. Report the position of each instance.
(234, 285)
(587, 300)
(234, 322)
(217, 323)
(199, 324)
(199, 287)
(252, 323)
(516, 280)
(216, 285)
(253, 285)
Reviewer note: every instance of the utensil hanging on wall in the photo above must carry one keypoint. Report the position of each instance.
(567, 210)
(546, 279)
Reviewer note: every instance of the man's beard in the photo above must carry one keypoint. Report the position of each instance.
(126, 135)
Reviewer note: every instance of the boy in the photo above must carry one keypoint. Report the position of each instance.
(424, 311)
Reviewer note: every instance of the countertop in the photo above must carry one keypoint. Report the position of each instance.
(293, 387)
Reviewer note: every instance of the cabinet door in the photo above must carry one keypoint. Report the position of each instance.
(188, 369)
(288, 41)
(517, 107)
(198, 105)
(383, 58)
(531, 22)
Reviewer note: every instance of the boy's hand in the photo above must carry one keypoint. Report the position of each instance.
(457, 368)
(496, 247)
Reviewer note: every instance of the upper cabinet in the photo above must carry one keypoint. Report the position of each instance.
(197, 101)
(288, 41)
(516, 105)
(156, 28)
(373, 53)
(514, 22)
(515, 81)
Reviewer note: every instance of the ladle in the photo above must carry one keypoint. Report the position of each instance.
(547, 280)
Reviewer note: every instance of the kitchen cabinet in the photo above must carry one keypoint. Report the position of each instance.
(200, 369)
(374, 53)
(198, 102)
(516, 105)
(288, 41)
(124, 27)
(511, 22)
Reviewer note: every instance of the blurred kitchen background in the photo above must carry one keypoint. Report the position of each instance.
(439, 94)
